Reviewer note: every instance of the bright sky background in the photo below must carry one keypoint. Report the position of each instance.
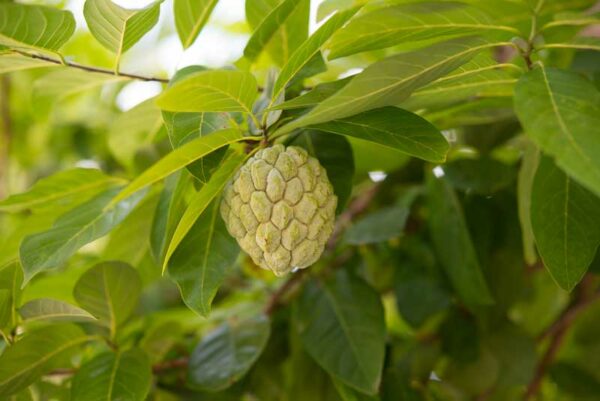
(215, 47)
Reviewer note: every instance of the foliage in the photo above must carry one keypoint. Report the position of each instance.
(461, 139)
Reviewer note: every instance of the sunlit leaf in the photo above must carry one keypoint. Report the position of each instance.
(10, 62)
(190, 18)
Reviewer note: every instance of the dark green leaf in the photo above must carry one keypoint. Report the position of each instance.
(453, 243)
(342, 327)
(113, 376)
(482, 176)
(227, 353)
(573, 380)
(379, 226)
(565, 218)
(53, 310)
(529, 164)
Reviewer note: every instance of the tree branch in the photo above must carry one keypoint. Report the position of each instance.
(92, 68)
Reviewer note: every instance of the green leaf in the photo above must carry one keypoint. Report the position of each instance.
(483, 175)
(109, 291)
(133, 129)
(342, 327)
(61, 188)
(190, 18)
(408, 23)
(314, 96)
(10, 62)
(38, 352)
(227, 353)
(82, 225)
(575, 381)
(11, 277)
(529, 164)
(394, 128)
(267, 28)
(65, 81)
(453, 244)
(181, 157)
(349, 394)
(558, 110)
(113, 376)
(335, 154)
(379, 226)
(309, 49)
(200, 202)
(202, 260)
(35, 27)
(565, 218)
(46, 309)
(212, 90)
(118, 28)
(390, 81)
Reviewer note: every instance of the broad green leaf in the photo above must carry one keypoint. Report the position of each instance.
(565, 218)
(379, 226)
(133, 129)
(391, 80)
(118, 28)
(529, 164)
(558, 110)
(110, 292)
(453, 244)
(394, 128)
(10, 62)
(82, 225)
(227, 353)
(190, 18)
(349, 394)
(38, 352)
(64, 187)
(202, 260)
(309, 49)
(183, 156)
(407, 23)
(212, 90)
(483, 175)
(314, 96)
(289, 35)
(335, 154)
(35, 27)
(267, 28)
(46, 309)
(113, 376)
(65, 81)
(342, 327)
(171, 205)
(200, 201)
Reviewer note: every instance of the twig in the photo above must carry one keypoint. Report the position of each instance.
(557, 331)
(92, 68)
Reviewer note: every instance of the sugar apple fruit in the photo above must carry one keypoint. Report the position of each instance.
(280, 207)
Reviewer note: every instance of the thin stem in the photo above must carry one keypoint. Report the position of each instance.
(92, 68)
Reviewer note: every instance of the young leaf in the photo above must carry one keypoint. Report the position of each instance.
(118, 28)
(63, 187)
(113, 376)
(10, 62)
(201, 200)
(181, 157)
(391, 80)
(190, 18)
(46, 309)
(558, 110)
(453, 244)
(408, 23)
(342, 327)
(394, 128)
(87, 222)
(267, 28)
(335, 154)
(36, 353)
(227, 353)
(202, 260)
(309, 49)
(109, 291)
(212, 90)
(35, 27)
(565, 218)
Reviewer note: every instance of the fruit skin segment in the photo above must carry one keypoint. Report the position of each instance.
(280, 207)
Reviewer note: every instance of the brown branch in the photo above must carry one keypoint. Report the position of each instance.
(556, 333)
(92, 68)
